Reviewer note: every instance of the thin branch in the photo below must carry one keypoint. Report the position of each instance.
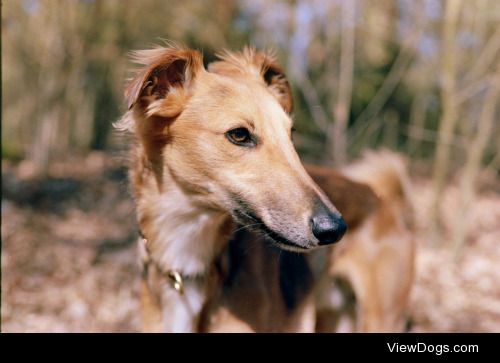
(449, 115)
(342, 106)
(471, 90)
(320, 117)
(487, 56)
(417, 121)
(473, 163)
(392, 80)
(419, 133)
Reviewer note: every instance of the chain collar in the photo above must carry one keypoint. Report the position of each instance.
(174, 277)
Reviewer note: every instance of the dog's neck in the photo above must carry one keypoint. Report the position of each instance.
(182, 235)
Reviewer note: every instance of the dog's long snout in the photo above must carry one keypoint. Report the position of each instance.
(327, 227)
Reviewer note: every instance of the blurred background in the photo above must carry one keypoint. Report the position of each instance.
(419, 77)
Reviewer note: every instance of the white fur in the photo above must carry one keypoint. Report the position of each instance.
(184, 236)
(181, 312)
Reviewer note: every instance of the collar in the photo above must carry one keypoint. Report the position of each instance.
(174, 277)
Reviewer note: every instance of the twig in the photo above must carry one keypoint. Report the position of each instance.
(320, 117)
(390, 83)
(342, 106)
(420, 133)
(484, 59)
(473, 163)
(449, 115)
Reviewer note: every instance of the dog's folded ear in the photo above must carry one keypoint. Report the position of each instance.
(262, 65)
(161, 87)
(278, 84)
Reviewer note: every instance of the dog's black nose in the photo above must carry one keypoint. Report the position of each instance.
(327, 227)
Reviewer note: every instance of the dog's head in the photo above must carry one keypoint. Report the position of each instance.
(224, 135)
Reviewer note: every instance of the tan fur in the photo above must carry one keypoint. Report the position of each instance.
(252, 305)
(192, 187)
(377, 258)
(251, 62)
(191, 184)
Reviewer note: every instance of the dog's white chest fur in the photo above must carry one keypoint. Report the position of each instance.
(185, 237)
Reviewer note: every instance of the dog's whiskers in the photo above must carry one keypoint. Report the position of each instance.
(248, 226)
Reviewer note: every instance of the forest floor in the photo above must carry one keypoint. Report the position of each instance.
(69, 257)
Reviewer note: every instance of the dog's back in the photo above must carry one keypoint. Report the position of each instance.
(271, 290)
(373, 267)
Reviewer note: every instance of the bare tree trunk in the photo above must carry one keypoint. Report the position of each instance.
(342, 107)
(473, 163)
(449, 114)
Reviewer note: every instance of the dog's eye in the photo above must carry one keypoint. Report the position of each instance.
(240, 136)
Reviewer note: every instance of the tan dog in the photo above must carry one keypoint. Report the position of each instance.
(268, 290)
(365, 284)
(213, 149)
(371, 272)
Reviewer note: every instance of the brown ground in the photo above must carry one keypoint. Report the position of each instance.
(69, 263)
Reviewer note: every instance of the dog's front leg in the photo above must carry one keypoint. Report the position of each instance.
(170, 311)
(150, 309)
(181, 311)
(165, 306)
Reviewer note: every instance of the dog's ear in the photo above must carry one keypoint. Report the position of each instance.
(254, 63)
(161, 87)
(278, 84)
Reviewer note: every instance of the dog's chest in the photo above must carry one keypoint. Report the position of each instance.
(183, 236)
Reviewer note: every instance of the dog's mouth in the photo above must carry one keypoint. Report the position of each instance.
(249, 220)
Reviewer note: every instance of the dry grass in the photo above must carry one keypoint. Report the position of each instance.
(462, 296)
(69, 263)
(68, 257)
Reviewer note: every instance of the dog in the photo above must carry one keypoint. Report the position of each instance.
(213, 152)
(370, 274)
(364, 285)
(269, 290)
